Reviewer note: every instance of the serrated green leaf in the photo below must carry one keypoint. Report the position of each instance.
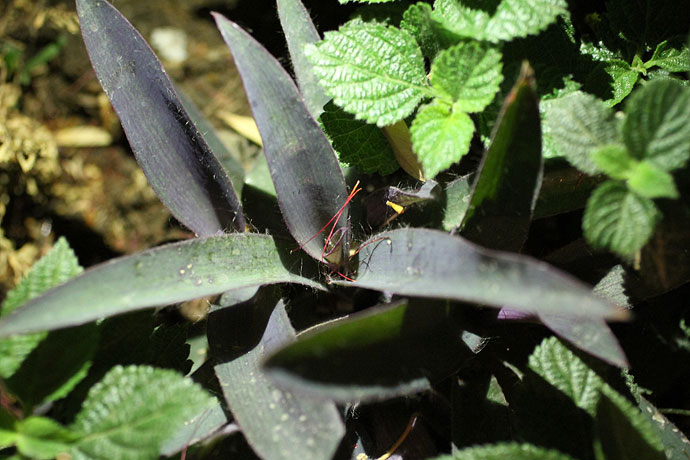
(160, 276)
(129, 413)
(563, 369)
(57, 266)
(417, 22)
(510, 18)
(614, 161)
(624, 78)
(469, 73)
(42, 438)
(371, 70)
(578, 123)
(623, 432)
(617, 219)
(673, 59)
(657, 124)
(49, 373)
(650, 181)
(357, 143)
(512, 451)
(440, 137)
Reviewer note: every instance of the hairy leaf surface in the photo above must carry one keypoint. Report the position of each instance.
(440, 137)
(373, 71)
(159, 276)
(309, 184)
(430, 263)
(168, 146)
(57, 266)
(657, 125)
(619, 219)
(578, 123)
(501, 21)
(299, 31)
(133, 410)
(278, 423)
(357, 143)
(384, 352)
(468, 73)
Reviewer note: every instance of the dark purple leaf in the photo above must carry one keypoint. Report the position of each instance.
(300, 31)
(309, 184)
(160, 276)
(430, 263)
(383, 352)
(277, 423)
(509, 178)
(176, 159)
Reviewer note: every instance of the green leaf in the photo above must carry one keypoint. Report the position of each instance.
(440, 137)
(512, 451)
(559, 366)
(671, 58)
(618, 219)
(49, 373)
(429, 263)
(357, 143)
(506, 20)
(42, 438)
(159, 276)
(8, 432)
(299, 31)
(457, 197)
(614, 161)
(649, 181)
(509, 177)
(624, 78)
(57, 266)
(578, 123)
(373, 355)
(469, 73)
(279, 424)
(417, 22)
(201, 426)
(657, 124)
(129, 413)
(371, 70)
(623, 432)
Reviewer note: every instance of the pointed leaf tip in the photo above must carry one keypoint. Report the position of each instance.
(309, 184)
(177, 161)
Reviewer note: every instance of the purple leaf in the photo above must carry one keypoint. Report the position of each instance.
(309, 184)
(176, 159)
